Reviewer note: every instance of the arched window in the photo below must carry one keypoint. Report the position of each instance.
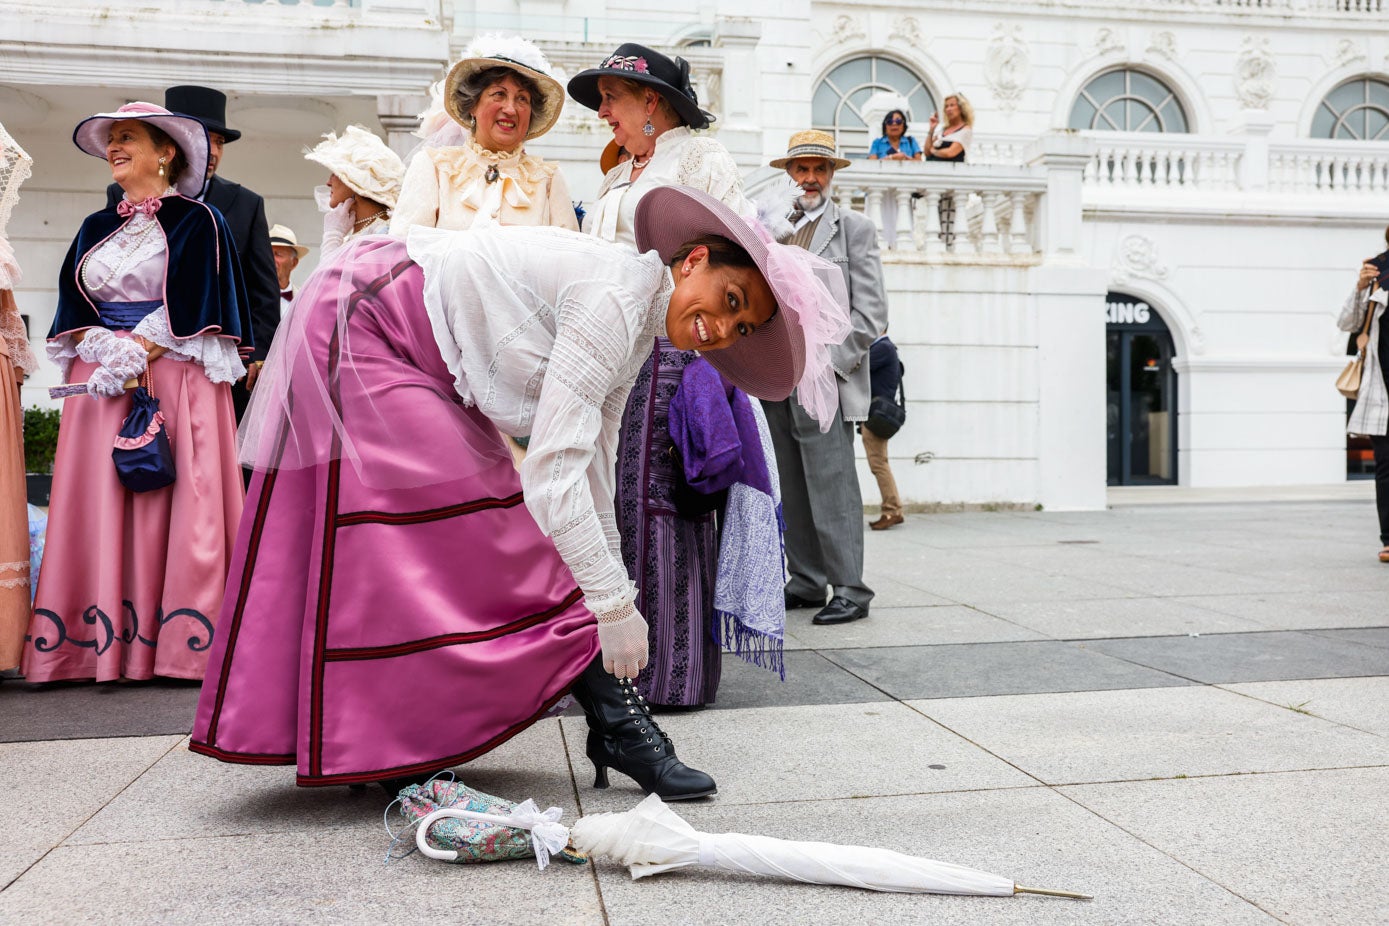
(839, 99)
(1357, 110)
(1125, 100)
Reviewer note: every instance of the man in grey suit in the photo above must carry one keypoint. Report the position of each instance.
(819, 484)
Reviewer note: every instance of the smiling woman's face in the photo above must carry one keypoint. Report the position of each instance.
(133, 155)
(625, 112)
(713, 306)
(503, 115)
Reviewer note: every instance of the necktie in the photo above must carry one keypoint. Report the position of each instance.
(797, 213)
(287, 295)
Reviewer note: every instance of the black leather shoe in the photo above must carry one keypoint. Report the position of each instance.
(796, 602)
(840, 611)
(623, 736)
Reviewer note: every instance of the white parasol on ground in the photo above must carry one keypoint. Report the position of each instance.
(651, 839)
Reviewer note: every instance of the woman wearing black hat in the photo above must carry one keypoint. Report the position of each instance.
(648, 100)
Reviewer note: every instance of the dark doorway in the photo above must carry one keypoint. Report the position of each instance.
(1142, 402)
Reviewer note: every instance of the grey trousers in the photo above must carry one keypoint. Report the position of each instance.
(821, 501)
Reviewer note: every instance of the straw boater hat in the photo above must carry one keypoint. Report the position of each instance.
(363, 162)
(521, 56)
(811, 316)
(811, 144)
(282, 236)
(668, 77)
(186, 131)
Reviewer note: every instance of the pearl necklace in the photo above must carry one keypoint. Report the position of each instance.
(130, 244)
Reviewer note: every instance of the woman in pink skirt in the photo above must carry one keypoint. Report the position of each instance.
(132, 581)
(401, 600)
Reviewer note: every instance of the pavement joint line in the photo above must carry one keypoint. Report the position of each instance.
(1223, 686)
(87, 819)
(1161, 851)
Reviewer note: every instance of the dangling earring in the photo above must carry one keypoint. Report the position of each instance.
(161, 167)
(648, 130)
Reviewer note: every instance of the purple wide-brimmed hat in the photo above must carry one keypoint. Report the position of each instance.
(790, 351)
(187, 132)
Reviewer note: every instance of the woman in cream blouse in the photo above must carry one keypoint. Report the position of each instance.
(501, 94)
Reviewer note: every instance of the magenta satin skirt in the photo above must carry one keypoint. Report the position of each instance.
(372, 632)
(131, 585)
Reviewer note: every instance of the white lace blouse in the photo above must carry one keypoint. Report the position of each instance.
(545, 331)
(680, 159)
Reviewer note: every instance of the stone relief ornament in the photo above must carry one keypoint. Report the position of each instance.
(1007, 66)
(845, 29)
(1107, 41)
(1164, 45)
(908, 30)
(1349, 51)
(1136, 258)
(1254, 74)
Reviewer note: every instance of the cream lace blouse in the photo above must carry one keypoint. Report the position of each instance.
(545, 331)
(449, 188)
(680, 159)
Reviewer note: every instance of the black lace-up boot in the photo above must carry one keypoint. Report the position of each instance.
(622, 735)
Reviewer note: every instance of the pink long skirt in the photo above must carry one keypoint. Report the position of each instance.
(372, 632)
(131, 585)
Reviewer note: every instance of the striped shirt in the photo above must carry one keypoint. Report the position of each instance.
(1371, 413)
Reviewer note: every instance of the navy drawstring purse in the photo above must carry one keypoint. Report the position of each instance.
(144, 460)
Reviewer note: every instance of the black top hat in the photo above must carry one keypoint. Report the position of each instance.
(671, 79)
(206, 105)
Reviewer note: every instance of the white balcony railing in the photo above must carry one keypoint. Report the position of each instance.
(1144, 160)
(939, 209)
(1329, 167)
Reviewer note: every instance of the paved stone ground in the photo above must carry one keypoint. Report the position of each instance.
(1182, 709)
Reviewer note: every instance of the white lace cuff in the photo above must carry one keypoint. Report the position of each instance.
(62, 351)
(216, 355)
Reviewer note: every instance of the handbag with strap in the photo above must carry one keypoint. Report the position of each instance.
(885, 415)
(144, 460)
(1348, 383)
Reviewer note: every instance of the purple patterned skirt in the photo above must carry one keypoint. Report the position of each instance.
(673, 561)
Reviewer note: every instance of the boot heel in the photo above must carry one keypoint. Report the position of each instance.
(600, 778)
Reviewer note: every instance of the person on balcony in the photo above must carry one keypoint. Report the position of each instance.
(895, 144)
(16, 361)
(650, 103)
(150, 291)
(244, 212)
(472, 168)
(363, 186)
(401, 601)
(1370, 416)
(819, 481)
(950, 141)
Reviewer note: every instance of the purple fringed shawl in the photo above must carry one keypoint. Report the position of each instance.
(724, 445)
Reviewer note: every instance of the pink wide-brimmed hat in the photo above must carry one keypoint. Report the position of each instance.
(791, 351)
(187, 132)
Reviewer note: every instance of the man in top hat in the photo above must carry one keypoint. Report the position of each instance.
(245, 215)
(284, 244)
(819, 482)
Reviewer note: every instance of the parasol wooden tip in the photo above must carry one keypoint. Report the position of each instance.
(1073, 895)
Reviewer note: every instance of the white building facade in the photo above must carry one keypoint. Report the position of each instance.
(1133, 279)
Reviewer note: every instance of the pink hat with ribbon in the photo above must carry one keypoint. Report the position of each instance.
(188, 133)
(791, 351)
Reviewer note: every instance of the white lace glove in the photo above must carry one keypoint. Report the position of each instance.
(119, 359)
(337, 225)
(622, 635)
(103, 382)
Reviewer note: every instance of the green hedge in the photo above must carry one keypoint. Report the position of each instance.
(40, 439)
